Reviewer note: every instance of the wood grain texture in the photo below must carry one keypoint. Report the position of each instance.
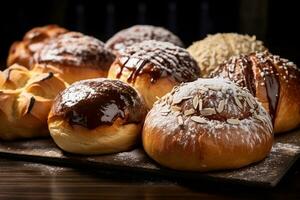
(27, 180)
(267, 173)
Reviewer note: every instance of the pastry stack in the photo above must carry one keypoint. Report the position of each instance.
(215, 105)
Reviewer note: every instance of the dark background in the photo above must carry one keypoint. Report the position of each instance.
(274, 22)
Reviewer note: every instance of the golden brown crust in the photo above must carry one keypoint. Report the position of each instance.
(97, 116)
(273, 80)
(139, 33)
(153, 68)
(25, 101)
(207, 124)
(22, 52)
(74, 56)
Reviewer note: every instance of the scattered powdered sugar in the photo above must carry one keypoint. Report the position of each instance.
(223, 120)
(75, 49)
(165, 59)
(140, 33)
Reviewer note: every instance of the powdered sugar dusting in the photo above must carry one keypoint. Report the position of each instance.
(250, 126)
(75, 49)
(165, 59)
(140, 33)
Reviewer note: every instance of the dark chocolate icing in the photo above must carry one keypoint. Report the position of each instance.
(240, 69)
(75, 50)
(91, 103)
(270, 75)
(158, 59)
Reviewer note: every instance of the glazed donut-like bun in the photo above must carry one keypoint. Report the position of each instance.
(215, 49)
(74, 56)
(25, 101)
(97, 116)
(273, 80)
(140, 33)
(208, 124)
(22, 52)
(154, 68)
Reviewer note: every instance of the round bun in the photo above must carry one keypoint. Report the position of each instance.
(22, 52)
(25, 101)
(97, 116)
(140, 33)
(215, 49)
(154, 68)
(74, 56)
(208, 124)
(273, 80)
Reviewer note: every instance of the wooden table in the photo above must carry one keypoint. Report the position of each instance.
(26, 180)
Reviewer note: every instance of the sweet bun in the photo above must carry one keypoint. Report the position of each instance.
(215, 49)
(208, 124)
(273, 80)
(140, 33)
(25, 101)
(97, 116)
(74, 56)
(22, 52)
(154, 68)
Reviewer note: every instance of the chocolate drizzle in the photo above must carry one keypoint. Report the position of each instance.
(272, 84)
(242, 68)
(96, 102)
(158, 59)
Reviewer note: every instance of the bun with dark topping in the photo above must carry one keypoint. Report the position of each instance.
(208, 124)
(97, 116)
(74, 56)
(139, 33)
(25, 101)
(273, 80)
(21, 52)
(154, 68)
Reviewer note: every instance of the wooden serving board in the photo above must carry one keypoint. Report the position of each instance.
(267, 173)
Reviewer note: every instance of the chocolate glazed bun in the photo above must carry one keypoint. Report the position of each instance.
(97, 116)
(140, 33)
(154, 68)
(22, 52)
(273, 80)
(208, 124)
(74, 56)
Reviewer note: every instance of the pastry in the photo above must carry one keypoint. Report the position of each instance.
(22, 52)
(208, 124)
(154, 68)
(74, 56)
(215, 49)
(25, 101)
(97, 116)
(140, 33)
(273, 80)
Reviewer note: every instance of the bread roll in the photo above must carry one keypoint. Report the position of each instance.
(273, 80)
(97, 116)
(208, 124)
(154, 68)
(139, 33)
(215, 49)
(25, 101)
(74, 56)
(22, 52)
